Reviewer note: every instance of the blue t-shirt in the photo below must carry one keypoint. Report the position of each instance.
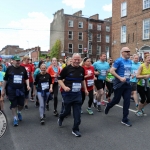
(101, 67)
(47, 64)
(134, 69)
(1, 78)
(123, 67)
(36, 63)
(36, 72)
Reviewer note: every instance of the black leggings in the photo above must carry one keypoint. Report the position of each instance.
(55, 92)
(110, 88)
(145, 95)
(90, 98)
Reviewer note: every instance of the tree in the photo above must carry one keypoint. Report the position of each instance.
(55, 50)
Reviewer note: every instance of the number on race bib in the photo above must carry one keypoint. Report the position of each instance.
(17, 79)
(90, 83)
(76, 87)
(45, 85)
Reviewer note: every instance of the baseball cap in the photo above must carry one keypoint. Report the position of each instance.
(16, 58)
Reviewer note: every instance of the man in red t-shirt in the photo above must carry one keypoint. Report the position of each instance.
(30, 71)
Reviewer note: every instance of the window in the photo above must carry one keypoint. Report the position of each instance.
(90, 26)
(90, 36)
(70, 23)
(146, 29)
(123, 34)
(107, 48)
(99, 27)
(80, 36)
(80, 25)
(107, 28)
(146, 4)
(98, 38)
(90, 48)
(124, 9)
(80, 48)
(70, 46)
(107, 38)
(70, 35)
(98, 50)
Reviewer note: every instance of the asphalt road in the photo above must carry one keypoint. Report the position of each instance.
(99, 131)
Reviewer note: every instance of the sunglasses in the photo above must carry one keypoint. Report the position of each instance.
(127, 51)
(110, 60)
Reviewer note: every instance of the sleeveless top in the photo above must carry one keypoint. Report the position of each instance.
(145, 71)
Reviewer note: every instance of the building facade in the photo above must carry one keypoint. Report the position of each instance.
(10, 50)
(78, 34)
(131, 26)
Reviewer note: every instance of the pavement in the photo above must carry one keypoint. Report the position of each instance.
(99, 131)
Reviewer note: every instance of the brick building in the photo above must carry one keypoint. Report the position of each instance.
(10, 50)
(78, 34)
(130, 26)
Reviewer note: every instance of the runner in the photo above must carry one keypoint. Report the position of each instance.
(48, 63)
(54, 71)
(29, 68)
(15, 77)
(4, 68)
(1, 83)
(143, 85)
(36, 72)
(109, 84)
(73, 76)
(89, 80)
(43, 83)
(102, 68)
(121, 70)
(133, 79)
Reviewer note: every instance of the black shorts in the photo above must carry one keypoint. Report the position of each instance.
(0, 93)
(133, 86)
(26, 91)
(99, 84)
(15, 100)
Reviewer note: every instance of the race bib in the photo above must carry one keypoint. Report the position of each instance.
(127, 71)
(103, 72)
(90, 83)
(45, 85)
(17, 79)
(76, 87)
(135, 72)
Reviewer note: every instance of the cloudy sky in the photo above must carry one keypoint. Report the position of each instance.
(27, 22)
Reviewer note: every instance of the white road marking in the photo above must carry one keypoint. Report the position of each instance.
(122, 107)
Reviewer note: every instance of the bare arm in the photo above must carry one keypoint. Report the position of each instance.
(139, 76)
(61, 83)
(113, 72)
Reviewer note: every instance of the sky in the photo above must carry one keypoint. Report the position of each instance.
(26, 23)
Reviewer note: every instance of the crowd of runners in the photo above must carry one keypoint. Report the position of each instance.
(75, 78)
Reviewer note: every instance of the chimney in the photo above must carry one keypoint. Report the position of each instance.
(78, 14)
(95, 17)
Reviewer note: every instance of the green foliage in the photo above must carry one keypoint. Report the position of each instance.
(55, 50)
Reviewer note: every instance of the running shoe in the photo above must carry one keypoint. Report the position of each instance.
(76, 133)
(26, 107)
(42, 121)
(106, 110)
(47, 107)
(128, 124)
(139, 113)
(89, 110)
(144, 114)
(19, 117)
(15, 122)
(59, 122)
(95, 105)
(103, 103)
(55, 113)
(99, 108)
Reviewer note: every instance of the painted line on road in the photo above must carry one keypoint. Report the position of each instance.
(122, 107)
